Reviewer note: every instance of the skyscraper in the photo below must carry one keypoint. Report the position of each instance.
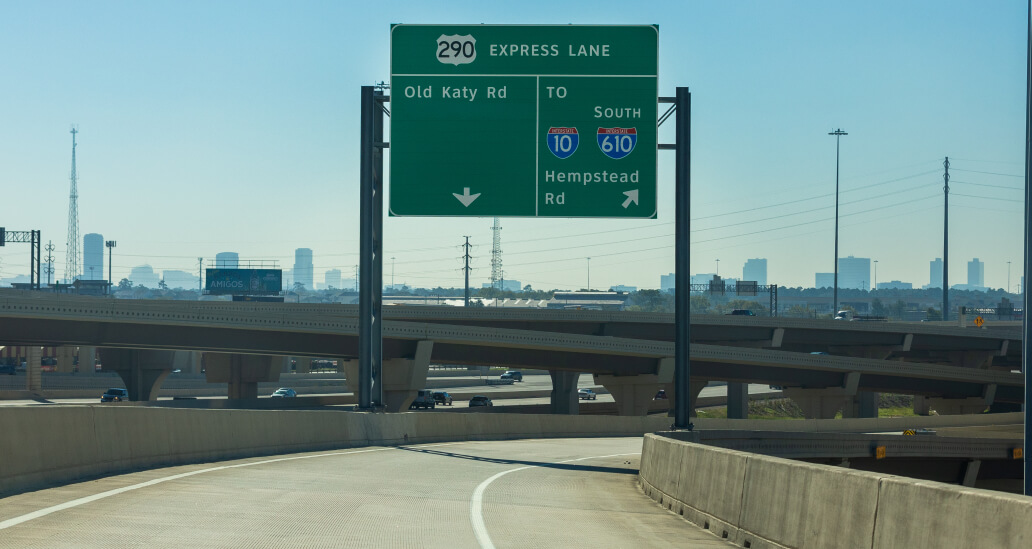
(755, 270)
(93, 257)
(333, 279)
(303, 270)
(976, 273)
(667, 282)
(145, 276)
(227, 260)
(854, 273)
(935, 273)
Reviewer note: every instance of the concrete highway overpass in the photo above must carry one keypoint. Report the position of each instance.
(958, 366)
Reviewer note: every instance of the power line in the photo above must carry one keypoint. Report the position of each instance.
(988, 173)
(747, 210)
(988, 185)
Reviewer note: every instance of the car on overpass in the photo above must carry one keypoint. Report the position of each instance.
(284, 392)
(742, 312)
(587, 394)
(514, 375)
(480, 400)
(442, 398)
(424, 399)
(115, 394)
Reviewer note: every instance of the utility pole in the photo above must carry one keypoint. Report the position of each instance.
(838, 133)
(50, 260)
(497, 274)
(200, 278)
(1008, 277)
(465, 269)
(875, 274)
(356, 279)
(589, 274)
(946, 240)
(110, 246)
(392, 274)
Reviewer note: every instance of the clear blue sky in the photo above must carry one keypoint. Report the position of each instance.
(233, 126)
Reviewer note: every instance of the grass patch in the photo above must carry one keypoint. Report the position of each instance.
(889, 405)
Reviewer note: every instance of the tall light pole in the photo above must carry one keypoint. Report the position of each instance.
(838, 133)
(110, 244)
(875, 274)
(392, 275)
(589, 274)
(718, 269)
(1008, 277)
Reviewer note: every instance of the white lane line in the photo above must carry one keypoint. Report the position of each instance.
(89, 499)
(476, 503)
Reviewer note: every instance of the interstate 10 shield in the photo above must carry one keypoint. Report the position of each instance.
(563, 141)
(617, 143)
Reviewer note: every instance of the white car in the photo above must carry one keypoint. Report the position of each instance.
(587, 394)
(284, 392)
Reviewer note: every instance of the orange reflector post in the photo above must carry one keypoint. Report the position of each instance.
(879, 452)
(1018, 453)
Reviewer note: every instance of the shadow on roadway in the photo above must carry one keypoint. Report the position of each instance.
(564, 466)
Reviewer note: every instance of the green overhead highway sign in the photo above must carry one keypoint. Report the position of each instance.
(523, 121)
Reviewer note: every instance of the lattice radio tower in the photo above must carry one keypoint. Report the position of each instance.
(72, 257)
(497, 274)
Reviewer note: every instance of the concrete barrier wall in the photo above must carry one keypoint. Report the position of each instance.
(51, 445)
(766, 502)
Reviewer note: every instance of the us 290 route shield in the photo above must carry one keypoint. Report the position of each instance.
(523, 121)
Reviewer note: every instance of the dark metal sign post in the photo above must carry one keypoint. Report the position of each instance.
(682, 249)
(370, 342)
(1027, 342)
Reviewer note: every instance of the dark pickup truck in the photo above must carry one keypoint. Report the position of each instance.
(424, 399)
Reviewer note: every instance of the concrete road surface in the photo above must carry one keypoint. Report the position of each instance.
(531, 493)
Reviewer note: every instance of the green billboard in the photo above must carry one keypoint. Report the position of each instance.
(243, 281)
(523, 121)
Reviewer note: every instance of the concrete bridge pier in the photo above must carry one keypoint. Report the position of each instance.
(865, 403)
(65, 359)
(737, 400)
(818, 403)
(824, 403)
(34, 369)
(634, 394)
(564, 397)
(402, 377)
(88, 360)
(285, 363)
(187, 361)
(142, 370)
(241, 372)
(956, 406)
(304, 365)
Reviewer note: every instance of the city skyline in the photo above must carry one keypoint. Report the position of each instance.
(247, 139)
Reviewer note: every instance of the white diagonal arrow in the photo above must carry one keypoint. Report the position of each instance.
(632, 196)
(468, 199)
